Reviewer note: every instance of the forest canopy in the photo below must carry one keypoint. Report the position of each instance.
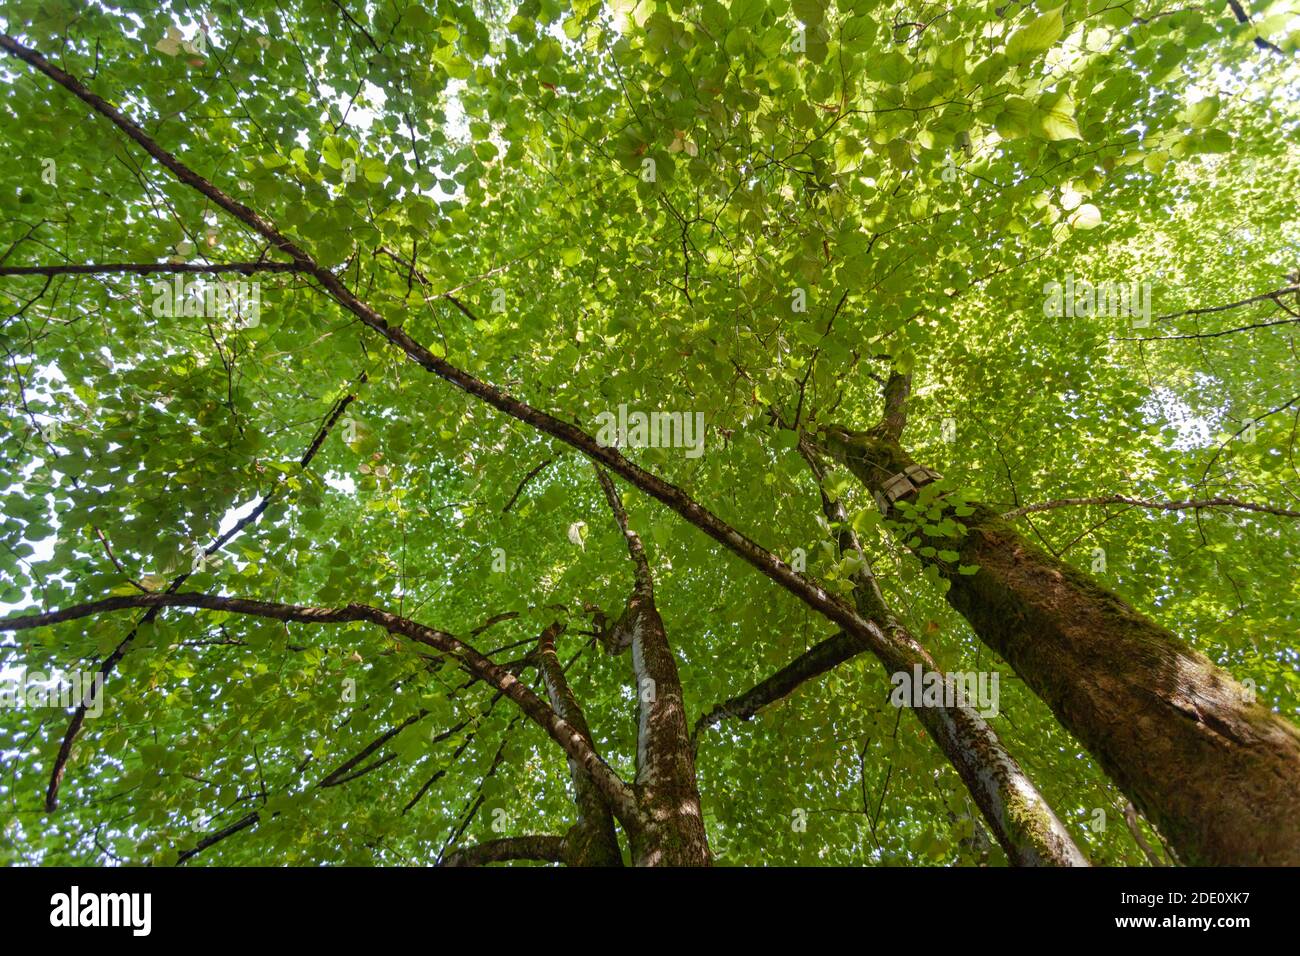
(656, 432)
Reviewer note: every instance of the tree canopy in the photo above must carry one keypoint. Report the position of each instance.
(1051, 248)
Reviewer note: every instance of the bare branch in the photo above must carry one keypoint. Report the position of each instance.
(1275, 297)
(1159, 505)
(524, 483)
(150, 268)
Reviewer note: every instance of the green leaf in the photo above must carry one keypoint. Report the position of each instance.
(1203, 112)
(1036, 37)
(1056, 118)
(892, 68)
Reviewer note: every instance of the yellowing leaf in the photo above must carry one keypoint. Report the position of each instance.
(172, 43)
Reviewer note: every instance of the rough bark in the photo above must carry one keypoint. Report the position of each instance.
(672, 825)
(1216, 772)
(592, 841)
(673, 497)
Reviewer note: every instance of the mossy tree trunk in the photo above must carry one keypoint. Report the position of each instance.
(1215, 771)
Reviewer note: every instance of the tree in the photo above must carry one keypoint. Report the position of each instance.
(317, 309)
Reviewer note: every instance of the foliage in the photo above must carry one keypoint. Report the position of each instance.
(629, 202)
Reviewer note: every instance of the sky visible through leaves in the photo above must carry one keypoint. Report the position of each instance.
(753, 212)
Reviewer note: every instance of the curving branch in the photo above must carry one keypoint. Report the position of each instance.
(1275, 297)
(109, 663)
(1135, 830)
(542, 848)
(503, 679)
(1195, 505)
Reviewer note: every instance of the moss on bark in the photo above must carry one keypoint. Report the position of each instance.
(1214, 770)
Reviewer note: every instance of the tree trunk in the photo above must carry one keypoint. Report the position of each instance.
(1217, 773)
(1025, 825)
(591, 841)
(1023, 822)
(672, 825)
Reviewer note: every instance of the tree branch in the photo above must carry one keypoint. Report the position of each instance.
(524, 483)
(594, 841)
(1023, 822)
(241, 824)
(897, 390)
(810, 592)
(1243, 17)
(665, 761)
(150, 268)
(1275, 297)
(543, 848)
(501, 678)
(1223, 502)
(812, 663)
(1131, 819)
(107, 666)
